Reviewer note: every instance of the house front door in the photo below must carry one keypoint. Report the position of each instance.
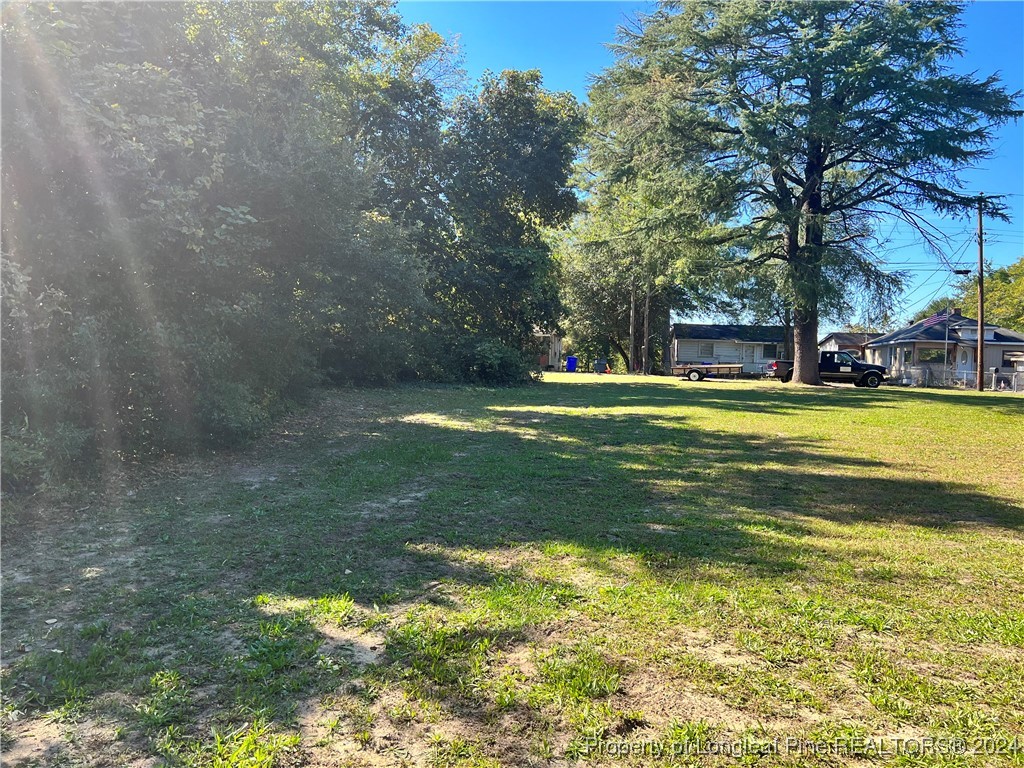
(964, 360)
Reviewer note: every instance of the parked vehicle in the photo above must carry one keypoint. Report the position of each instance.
(697, 371)
(835, 367)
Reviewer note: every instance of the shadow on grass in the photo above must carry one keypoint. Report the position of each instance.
(990, 402)
(389, 523)
(775, 397)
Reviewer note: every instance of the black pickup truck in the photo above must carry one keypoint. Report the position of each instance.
(835, 366)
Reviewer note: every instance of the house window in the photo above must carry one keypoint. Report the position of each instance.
(1012, 359)
(706, 349)
(932, 355)
(770, 351)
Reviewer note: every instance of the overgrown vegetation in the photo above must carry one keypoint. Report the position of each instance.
(209, 207)
(457, 576)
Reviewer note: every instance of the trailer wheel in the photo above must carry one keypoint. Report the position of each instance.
(871, 380)
(695, 375)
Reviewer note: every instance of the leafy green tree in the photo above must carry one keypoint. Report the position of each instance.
(110, 159)
(779, 127)
(195, 218)
(935, 306)
(510, 154)
(1004, 296)
(324, 180)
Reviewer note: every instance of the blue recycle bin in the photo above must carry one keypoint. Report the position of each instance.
(570, 364)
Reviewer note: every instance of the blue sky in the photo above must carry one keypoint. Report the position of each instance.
(567, 41)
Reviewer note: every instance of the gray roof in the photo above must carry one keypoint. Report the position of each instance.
(937, 332)
(762, 334)
(850, 338)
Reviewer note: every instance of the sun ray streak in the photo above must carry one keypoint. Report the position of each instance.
(127, 249)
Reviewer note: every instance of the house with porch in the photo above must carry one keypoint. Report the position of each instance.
(937, 350)
(754, 346)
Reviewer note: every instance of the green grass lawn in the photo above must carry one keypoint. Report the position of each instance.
(542, 576)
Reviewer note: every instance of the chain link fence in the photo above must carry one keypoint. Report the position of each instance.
(943, 378)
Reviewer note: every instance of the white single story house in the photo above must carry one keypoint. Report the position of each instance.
(752, 345)
(844, 341)
(937, 349)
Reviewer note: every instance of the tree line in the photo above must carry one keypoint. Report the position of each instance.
(210, 207)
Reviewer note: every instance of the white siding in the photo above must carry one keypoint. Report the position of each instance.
(688, 351)
(728, 352)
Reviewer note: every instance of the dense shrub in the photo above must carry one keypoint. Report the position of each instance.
(491, 362)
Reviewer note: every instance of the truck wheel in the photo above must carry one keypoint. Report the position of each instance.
(871, 380)
(695, 375)
(787, 377)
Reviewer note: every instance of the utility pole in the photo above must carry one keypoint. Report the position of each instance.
(981, 298)
(945, 350)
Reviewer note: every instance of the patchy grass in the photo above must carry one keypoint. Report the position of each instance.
(598, 569)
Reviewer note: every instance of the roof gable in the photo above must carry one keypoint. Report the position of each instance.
(843, 337)
(762, 334)
(939, 332)
(1007, 336)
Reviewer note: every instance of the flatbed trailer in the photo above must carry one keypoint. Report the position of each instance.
(697, 371)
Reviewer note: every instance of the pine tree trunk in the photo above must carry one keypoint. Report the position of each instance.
(787, 334)
(663, 334)
(805, 347)
(647, 331)
(806, 266)
(805, 277)
(632, 329)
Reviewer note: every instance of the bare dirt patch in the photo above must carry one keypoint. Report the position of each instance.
(34, 741)
(664, 700)
(403, 504)
(256, 476)
(707, 647)
(361, 647)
